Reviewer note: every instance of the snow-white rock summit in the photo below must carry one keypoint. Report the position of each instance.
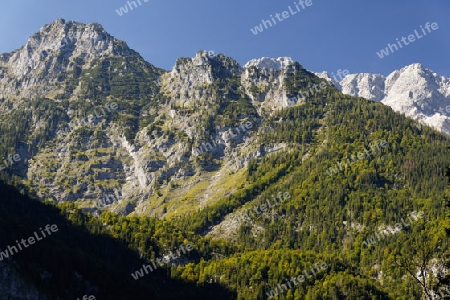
(370, 86)
(414, 90)
(327, 77)
(270, 63)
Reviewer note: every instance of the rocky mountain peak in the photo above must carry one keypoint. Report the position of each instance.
(74, 39)
(415, 87)
(327, 77)
(58, 47)
(414, 90)
(279, 63)
(204, 68)
(370, 86)
(414, 66)
(203, 58)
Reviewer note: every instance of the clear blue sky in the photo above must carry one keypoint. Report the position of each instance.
(328, 35)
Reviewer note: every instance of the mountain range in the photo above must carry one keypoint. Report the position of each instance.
(414, 90)
(112, 148)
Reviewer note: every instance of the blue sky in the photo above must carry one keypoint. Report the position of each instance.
(328, 35)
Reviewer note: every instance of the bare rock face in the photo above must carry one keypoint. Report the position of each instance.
(327, 77)
(277, 64)
(263, 82)
(369, 86)
(37, 67)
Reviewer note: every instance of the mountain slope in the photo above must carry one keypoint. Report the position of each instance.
(168, 134)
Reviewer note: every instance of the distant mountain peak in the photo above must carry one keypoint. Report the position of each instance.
(370, 86)
(414, 66)
(327, 77)
(279, 63)
(414, 90)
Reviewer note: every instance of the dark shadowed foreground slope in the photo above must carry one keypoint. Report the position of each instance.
(72, 262)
